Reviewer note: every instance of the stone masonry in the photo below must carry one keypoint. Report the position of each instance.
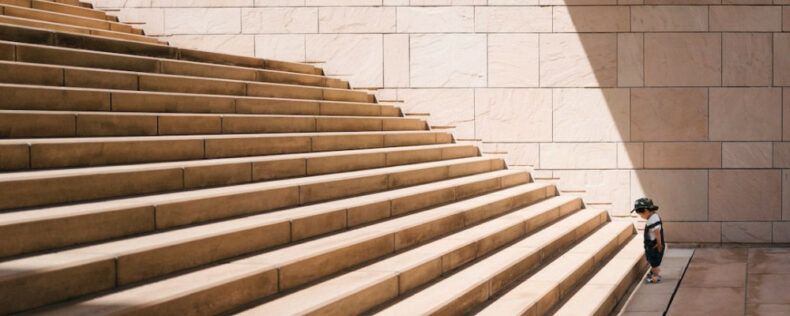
(681, 100)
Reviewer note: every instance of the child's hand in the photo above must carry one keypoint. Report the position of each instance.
(660, 247)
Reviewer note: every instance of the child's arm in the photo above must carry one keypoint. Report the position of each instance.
(659, 242)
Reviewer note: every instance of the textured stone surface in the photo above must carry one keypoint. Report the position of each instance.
(513, 115)
(708, 232)
(578, 155)
(630, 155)
(578, 60)
(448, 107)
(781, 155)
(290, 47)
(682, 59)
(435, 19)
(513, 60)
(279, 20)
(396, 60)
(630, 59)
(597, 115)
(518, 155)
(683, 155)
(202, 21)
(747, 155)
(607, 189)
(669, 18)
(745, 114)
(230, 44)
(745, 18)
(357, 20)
(786, 113)
(785, 19)
(590, 19)
(682, 195)
(512, 19)
(746, 59)
(745, 195)
(431, 67)
(781, 232)
(153, 18)
(782, 59)
(357, 57)
(669, 114)
(746, 232)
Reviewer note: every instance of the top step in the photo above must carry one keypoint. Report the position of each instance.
(32, 35)
(59, 8)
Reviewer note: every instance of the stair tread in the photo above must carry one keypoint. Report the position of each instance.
(63, 18)
(318, 247)
(68, 28)
(84, 208)
(107, 93)
(321, 295)
(33, 141)
(149, 49)
(72, 172)
(527, 294)
(166, 65)
(604, 283)
(252, 80)
(445, 291)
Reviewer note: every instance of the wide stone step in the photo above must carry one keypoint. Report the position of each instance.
(76, 29)
(357, 292)
(33, 58)
(262, 275)
(59, 8)
(121, 80)
(29, 124)
(31, 35)
(475, 284)
(38, 188)
(55, 17)
(601, 294)
(55, 227)
(541, 292)
(27, 97)
(43, 153)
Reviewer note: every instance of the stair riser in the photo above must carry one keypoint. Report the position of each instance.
(50, 56)
(37, 98)
(502, 280)
(77, 29)
(101, 79)
(136, 267)
(42, 15)
(25, 237)
(54, 6)
(635, 275)
(546, 301)
(47, 191)
(80, 41)
(408, 280)
(99, 153)
(32, 125)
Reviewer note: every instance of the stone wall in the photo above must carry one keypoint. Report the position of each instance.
(681, 100)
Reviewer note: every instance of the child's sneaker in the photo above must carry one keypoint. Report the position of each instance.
(650, 279)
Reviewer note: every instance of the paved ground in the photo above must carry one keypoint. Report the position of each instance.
(719, 281)
(653, 299)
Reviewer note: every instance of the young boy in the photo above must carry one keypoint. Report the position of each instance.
(654, 237)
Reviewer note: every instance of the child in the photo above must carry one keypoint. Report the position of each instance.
(654, 237)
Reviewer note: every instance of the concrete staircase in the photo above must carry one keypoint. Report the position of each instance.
(140, 178)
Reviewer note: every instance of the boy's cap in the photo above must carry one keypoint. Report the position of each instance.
(644, 204)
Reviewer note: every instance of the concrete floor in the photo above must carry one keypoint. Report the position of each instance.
(718, 281)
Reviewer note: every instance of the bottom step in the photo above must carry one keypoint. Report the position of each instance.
(602, 292)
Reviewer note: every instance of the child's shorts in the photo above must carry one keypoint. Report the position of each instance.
(653, 256)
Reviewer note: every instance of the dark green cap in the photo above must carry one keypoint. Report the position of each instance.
(644, 204)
